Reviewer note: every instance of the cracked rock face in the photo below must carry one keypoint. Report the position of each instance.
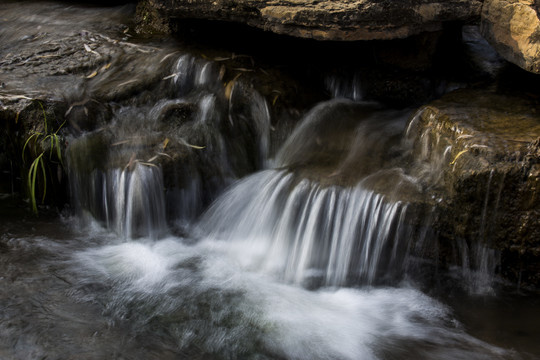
(348, 20)
(513, 29)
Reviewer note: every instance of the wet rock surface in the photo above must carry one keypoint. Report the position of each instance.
(74, 70)
(479, 151)
(321, 20)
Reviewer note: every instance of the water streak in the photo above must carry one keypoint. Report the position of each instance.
(131, 202)
(348, 87)
(309, 234)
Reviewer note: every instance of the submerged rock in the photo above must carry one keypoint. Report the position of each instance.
(479, 152)
(513, 28)
(321, 20)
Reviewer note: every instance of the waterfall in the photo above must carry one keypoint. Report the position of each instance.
(218, 213)
(129, 201)
(348, 87)
(312, 235)
(339, 208)
(164, 156)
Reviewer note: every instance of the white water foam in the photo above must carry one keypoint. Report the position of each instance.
(226, 308)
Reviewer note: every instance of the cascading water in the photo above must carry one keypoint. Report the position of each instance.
(117, 170)
(197, 242)
(345, 87)
(336, 210)
(131, 201)
(305, 233)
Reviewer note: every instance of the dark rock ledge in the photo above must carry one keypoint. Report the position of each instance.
(511, 26)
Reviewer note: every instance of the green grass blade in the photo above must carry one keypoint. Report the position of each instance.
(44, 116)
(44, 180)
(27, 141)
(32, 177)
(32, 174)
(60, 127)
(52, 145)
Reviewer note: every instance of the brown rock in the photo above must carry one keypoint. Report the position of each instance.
(479, 150)
(513, 28)
(322, 20)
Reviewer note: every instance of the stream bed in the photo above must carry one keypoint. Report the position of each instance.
(71, 292)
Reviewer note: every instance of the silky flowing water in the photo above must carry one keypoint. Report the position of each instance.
(304, 246)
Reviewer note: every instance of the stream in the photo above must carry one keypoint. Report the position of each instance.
(205, 222)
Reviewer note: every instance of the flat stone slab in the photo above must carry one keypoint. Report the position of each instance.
(346, 20)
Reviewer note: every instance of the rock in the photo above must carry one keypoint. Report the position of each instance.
(322, 20)
(513, 28)
(53, 60)
(480, 153)
(117, 103)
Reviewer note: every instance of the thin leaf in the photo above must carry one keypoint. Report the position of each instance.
(44, 180)
(105, 67)
(60, 127)
(31, 185)
(58, 150)
(52, 145)
(195, 146)
(163, 154)
(89, 49)
(44, 116)
(170, 76)
(146, 163)
(92, 75)
(32, 173)
(27, 141)
(458, 155)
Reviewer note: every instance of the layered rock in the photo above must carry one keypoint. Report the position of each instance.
(322, 20)
(480, 152)
(513, 28)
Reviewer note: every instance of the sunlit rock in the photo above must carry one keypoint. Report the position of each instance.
(513, 28)
(479, 153)
(321, 20)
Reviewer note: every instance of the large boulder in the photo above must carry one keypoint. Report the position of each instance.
(322, 20)
(480, 153)
(513, 28)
